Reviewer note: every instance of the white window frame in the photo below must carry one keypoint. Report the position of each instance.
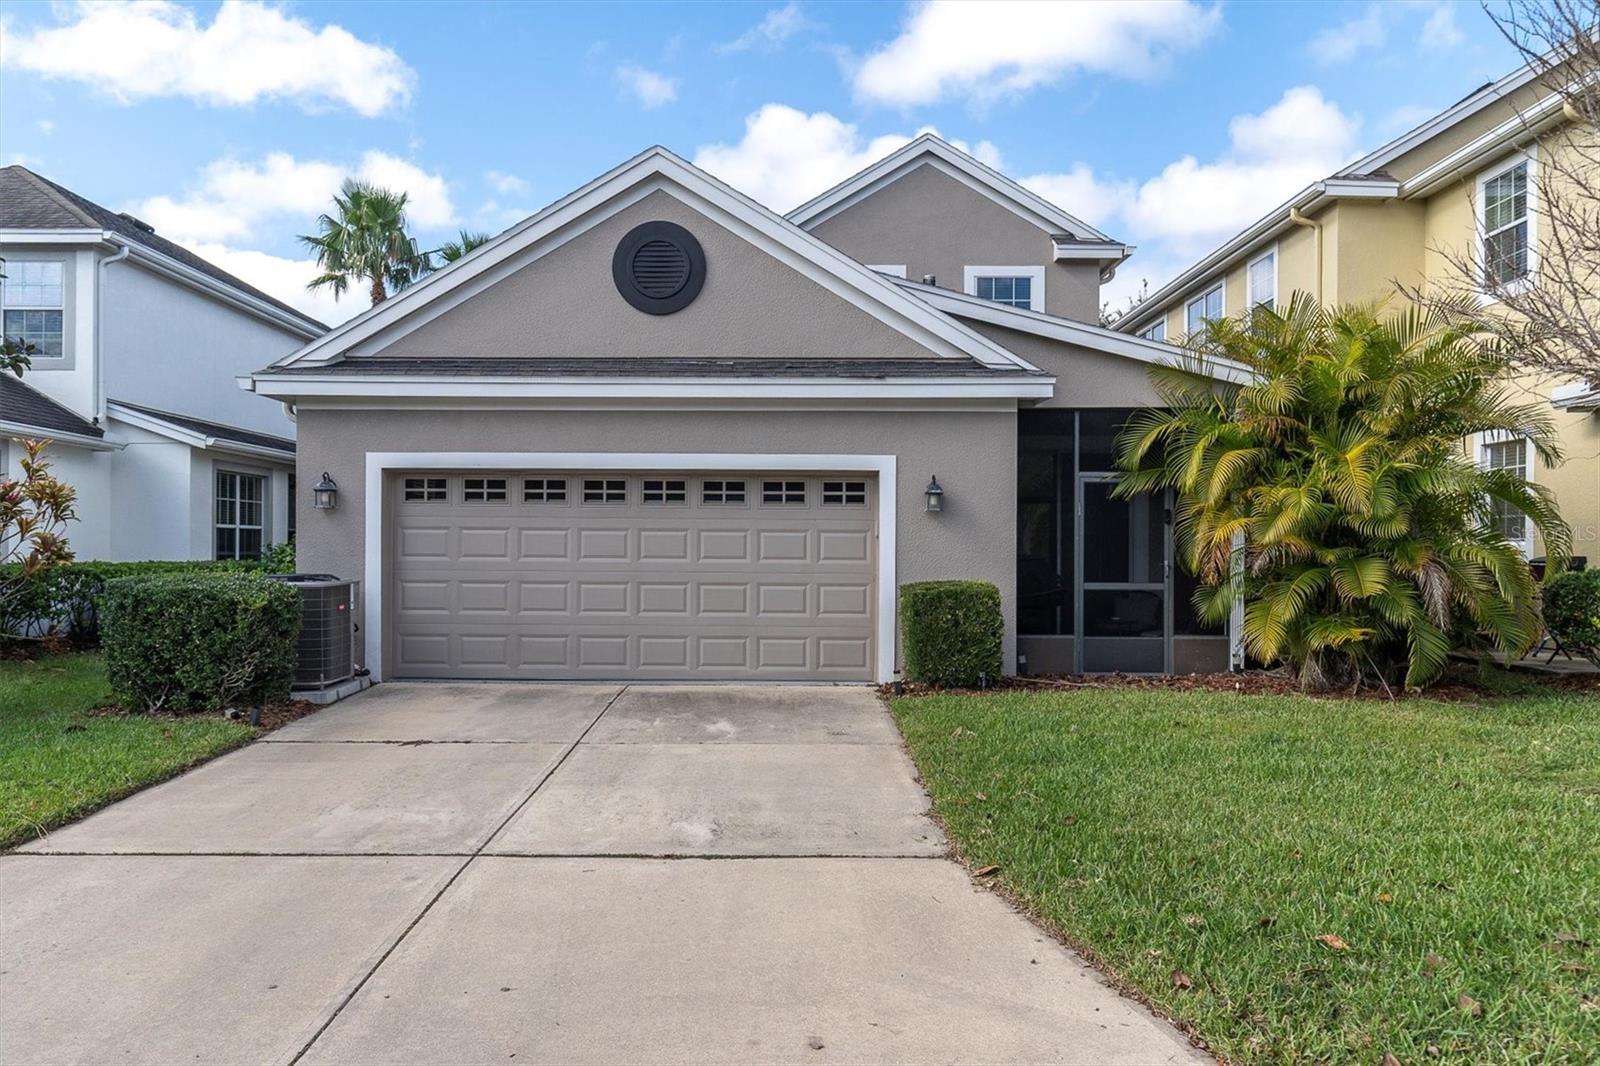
(1220, 287)
(1253, 298)
(1487, 295)
(897, 270)
(1035, 275)
(883, 467)
(1480, 452)
(1156, 331)
(11, 268)
(236, 525)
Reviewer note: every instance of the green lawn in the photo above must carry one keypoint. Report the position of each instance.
(1453, 848)
(58, 763)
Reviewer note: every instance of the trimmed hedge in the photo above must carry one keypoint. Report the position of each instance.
(65, 599)
(953, 632)
(199, 642)
(1572, 612)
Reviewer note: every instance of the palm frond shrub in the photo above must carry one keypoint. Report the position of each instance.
(1335, 490)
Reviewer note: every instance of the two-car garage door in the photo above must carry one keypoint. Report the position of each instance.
(606, 574)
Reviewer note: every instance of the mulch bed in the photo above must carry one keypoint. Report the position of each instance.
(1458, 687)
(273, 715)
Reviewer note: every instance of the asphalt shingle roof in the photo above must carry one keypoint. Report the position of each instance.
(213, 429)
(663, 366)
(29, 201)
(21, 402)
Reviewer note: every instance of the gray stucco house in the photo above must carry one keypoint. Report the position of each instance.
(657, 431)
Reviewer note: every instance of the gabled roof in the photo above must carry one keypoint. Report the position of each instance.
(198, 432)
(1071, 331)
(25, 411)
(29, 201)
(659, 169)
(930, 149)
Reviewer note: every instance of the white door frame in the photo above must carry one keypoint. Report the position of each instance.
(381, 464)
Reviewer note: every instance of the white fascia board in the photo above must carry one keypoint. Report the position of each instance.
(980, 176)
(1096, 338)
(1575, 397)
(846, 278)
(77, 440)
(287, 387)
(1485, 97)
(1508, 134)
(1095, 251)
(51, 236)
(183, 435)
(380, 464)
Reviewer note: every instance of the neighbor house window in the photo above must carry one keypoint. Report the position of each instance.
(1512, 455)
(1208, 305)
(33, 295)
(1155, 331)
(1013, 286)
(1263, 280)
(1503, 200)
(241, 515)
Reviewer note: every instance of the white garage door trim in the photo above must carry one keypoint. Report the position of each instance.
(380, 463)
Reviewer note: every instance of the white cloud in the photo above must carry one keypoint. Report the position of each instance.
(1440, 30)
(787, 156)
(780, 24)
(989, 50)
(504, 183)
(1080, 192)
(248, 52)
(285, 279)
(46, 126)
(648, 88)
(1297, 140)
(232, 198)
(1342, 43)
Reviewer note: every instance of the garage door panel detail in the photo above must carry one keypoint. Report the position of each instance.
(631, 585)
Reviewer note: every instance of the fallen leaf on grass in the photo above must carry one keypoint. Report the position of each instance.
(1432, 1050)
(1267, 921)
(1565, 937)
(1431, 963)
(1588, 1004)
(1069, 819)
(986, 871)
(1181, 980)
(1470, 1005)
(1384, 897)
(1389, 1059)
(1331, 942)
(980, 796)
(1574, 967)
(1193, 921)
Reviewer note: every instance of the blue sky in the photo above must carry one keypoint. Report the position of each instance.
(1168, 124)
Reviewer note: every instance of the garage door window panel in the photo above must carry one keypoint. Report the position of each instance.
(605, 490)
(544, 490)
(783, 493)
(844, 493)
(484, 490)
(722, 493)
(664, 490)
(426, 490)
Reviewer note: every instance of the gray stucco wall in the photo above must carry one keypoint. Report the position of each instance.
(935, 224)
(169, 347)
(1084, 377)
(566, 305)
(974, 454)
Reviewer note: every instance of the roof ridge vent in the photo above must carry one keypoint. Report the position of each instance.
(138, 222)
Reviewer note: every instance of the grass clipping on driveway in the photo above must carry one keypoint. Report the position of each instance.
(58, 762)
(1299, 880)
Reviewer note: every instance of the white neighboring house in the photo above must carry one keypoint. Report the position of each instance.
(139, 342)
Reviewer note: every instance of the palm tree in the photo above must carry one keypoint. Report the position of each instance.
(1334, 492)
(365, 241)
(450, 251)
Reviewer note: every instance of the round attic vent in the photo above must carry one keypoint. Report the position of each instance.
(659, 267)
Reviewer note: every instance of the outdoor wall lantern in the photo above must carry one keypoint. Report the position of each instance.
(935, 496)
(325, 495)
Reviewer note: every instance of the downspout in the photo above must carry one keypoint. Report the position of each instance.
(99, 334)
(1299, 219)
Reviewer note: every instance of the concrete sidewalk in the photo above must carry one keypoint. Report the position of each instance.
(525, 873)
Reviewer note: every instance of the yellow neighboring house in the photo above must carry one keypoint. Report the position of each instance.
(1461, 186)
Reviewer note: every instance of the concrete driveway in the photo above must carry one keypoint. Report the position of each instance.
(541, 873)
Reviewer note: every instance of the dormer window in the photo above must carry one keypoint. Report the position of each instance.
(1014, 286)
(33, 295)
